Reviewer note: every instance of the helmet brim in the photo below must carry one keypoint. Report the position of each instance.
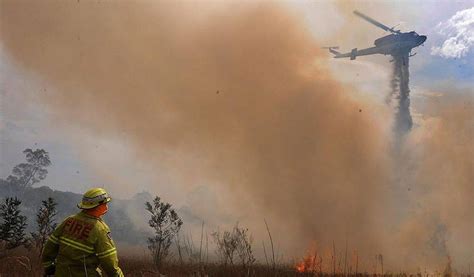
(88, 206)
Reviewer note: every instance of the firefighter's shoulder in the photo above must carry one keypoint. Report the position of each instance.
(102, 226)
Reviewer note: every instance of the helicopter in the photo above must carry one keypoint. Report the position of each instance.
(397, 44)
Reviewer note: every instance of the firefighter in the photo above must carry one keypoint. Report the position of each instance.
(82, 242)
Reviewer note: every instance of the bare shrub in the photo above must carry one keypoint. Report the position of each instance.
(236, 243)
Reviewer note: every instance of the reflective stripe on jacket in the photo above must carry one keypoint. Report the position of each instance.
(79, 245)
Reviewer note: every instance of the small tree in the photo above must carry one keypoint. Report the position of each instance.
(234, 243)
(166, 224)
(12, 227)
(34, 170)
(45, 219)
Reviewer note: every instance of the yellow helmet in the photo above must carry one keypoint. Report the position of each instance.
(93, 198)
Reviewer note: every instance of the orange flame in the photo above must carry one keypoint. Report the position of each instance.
(308, 264)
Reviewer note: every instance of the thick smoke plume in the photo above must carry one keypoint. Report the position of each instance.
(236, 95)
(231, 95)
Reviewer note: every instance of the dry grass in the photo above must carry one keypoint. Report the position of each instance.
(143, 267)
(20, 263)
(23, 263)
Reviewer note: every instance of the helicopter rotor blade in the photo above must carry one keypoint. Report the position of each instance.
(375, 22)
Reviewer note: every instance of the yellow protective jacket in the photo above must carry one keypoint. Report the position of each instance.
(79, 245)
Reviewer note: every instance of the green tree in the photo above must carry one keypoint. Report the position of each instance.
(166, 225)
(34, 170)
(13, 223)
(46, 223)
